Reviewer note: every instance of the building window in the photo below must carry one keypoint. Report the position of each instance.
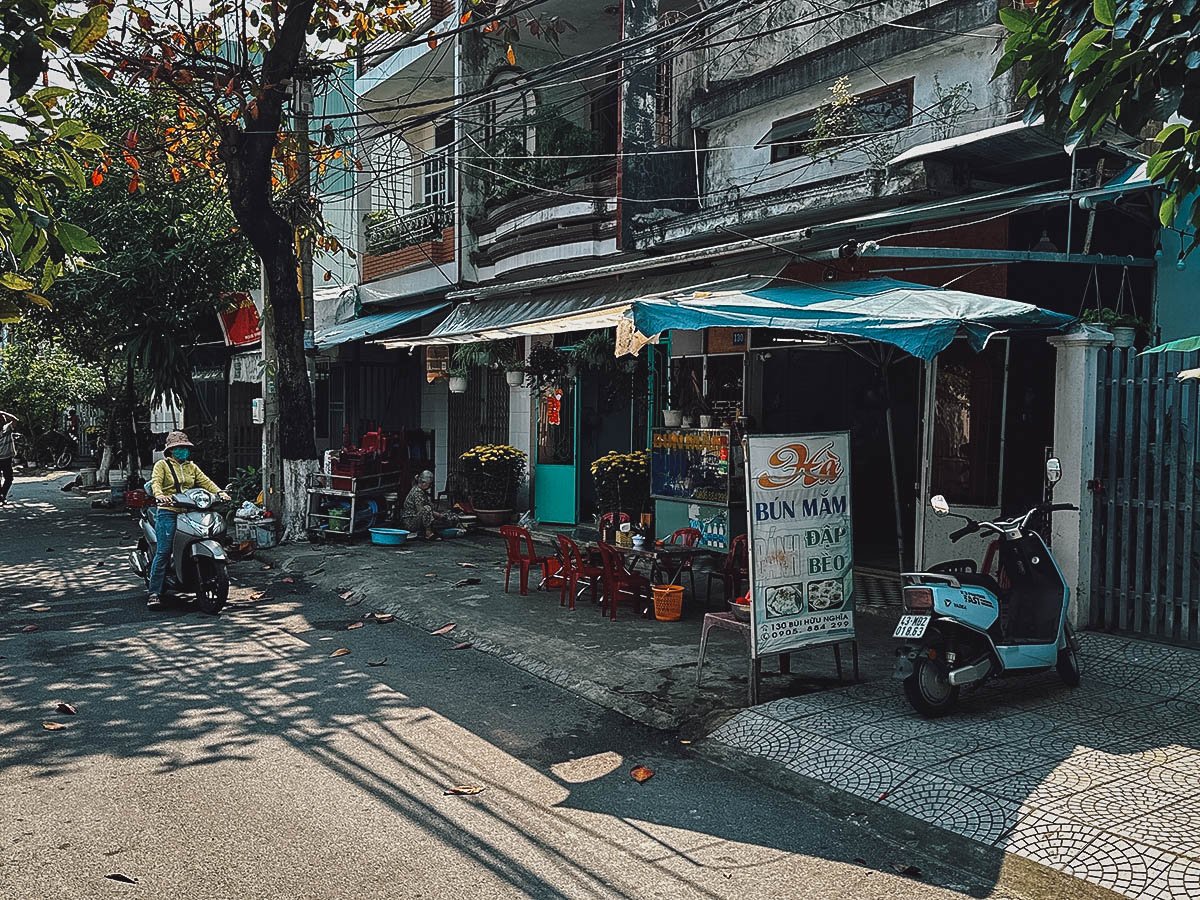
(503, 114)
(664, 83)
(437, 177)
(875, 112)
(391, 163)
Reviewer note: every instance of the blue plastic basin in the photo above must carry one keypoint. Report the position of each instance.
(389, 537)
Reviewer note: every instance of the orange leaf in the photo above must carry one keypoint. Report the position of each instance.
(133, 184)
(97, 178)
(176, 175)
(340, 651)
(641, 774)
(131, 139)
(491, 26)
(131, 160)
(510, 56)
(433, 41)
(466, 17)
(328, 276)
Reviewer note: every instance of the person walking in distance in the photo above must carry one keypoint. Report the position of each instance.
(8, 449)
(173, 474)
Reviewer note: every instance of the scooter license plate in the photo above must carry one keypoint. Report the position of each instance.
(911, 627)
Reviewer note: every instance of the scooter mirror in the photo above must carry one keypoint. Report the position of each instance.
(1053, 470)
(939, 504)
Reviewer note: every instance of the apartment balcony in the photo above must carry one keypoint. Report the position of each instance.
(567, 222)
(405, 243)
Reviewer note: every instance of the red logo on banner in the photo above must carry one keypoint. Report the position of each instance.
(554, 407)
(239, 321)
(799, 464)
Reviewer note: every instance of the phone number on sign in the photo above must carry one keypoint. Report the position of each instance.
(806, 625)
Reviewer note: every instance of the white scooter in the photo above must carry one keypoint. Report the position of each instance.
(199, 565)
(961, 627)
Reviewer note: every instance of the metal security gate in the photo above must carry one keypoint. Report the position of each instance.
(1146, 555)
(480, 416)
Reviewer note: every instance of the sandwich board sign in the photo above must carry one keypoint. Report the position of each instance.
(800, 541)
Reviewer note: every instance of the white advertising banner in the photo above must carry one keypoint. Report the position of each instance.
(801, 546)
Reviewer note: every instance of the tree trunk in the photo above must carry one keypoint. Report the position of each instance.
(133, 458)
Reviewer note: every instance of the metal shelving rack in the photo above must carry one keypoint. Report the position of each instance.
(321, 485)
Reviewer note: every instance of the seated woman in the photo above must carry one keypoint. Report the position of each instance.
(418, 514)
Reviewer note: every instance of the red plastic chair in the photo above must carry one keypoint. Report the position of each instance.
(684, 537)
(618, 580)
(523, 557)
(574, 570)
(733, 571)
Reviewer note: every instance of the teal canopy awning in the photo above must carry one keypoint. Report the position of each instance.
(919, 319)
(372, 325)
(1183, 345)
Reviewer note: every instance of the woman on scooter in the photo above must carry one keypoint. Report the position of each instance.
(173, 474)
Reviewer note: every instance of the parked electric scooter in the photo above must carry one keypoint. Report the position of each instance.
(961, 627)
(199, 565)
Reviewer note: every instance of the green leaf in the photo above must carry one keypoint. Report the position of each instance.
(1105, 12)
(94, 78)
(46, 94)
(1166, 212)
(1084, 44)
(1172, 136)
(15, 282)
(1015, 19)
(24, 67)
(91, 30)
(75, 239)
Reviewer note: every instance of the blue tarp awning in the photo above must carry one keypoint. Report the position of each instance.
(919, 319)
(372, 325)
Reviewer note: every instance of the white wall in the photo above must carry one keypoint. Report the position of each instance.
(742, 170)
(435, 416)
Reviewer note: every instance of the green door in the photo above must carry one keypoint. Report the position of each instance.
(556, 477)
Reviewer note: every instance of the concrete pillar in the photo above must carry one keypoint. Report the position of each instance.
(1075, 390)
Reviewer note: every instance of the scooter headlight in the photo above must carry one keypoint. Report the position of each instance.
(918, 599)
(202, 499)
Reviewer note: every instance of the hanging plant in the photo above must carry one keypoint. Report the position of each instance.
(546, 366)
(597, 352)
(466, 357)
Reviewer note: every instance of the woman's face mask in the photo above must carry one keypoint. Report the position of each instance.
(181, 453)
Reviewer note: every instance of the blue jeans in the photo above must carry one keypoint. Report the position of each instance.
(164, 536)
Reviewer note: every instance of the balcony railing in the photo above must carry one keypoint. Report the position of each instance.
(387, 230)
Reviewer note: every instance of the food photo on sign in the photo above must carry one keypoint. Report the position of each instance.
(801, 559)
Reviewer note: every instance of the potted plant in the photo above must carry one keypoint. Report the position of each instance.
(672, 417)
(467, 357)
(511, 359)
(622, 482)
(1124, 326)
(546, 367)
(493, 473)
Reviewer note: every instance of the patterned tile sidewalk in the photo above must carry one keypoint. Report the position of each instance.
(1101, 781)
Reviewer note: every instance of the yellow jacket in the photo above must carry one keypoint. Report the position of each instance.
(188, 475)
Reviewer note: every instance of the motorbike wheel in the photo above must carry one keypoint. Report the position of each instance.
(63, 459)
(1069, 668)
(928, 689)
(214, 586)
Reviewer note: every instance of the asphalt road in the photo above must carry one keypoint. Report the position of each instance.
(236, 757)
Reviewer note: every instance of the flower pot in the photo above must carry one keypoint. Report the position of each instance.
(493, 517)
(458, 384)
(672, 418)
(1123, 336)
(514, 377)
(690, 421)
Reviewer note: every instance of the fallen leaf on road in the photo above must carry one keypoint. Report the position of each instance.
(53, 726)
(384, 618)
(463, 790)
(641, 774)
(469, 565)
(346, 595)
(466, 582)
(29, 629)
(354, 625)
(340, 651)
(445, 629)
(382, 661)
(289, 580)
(40, 608)
(266, 568)
(66, 709)
(118, 876)
(431, 574)
(907, 871)
(465, 645)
